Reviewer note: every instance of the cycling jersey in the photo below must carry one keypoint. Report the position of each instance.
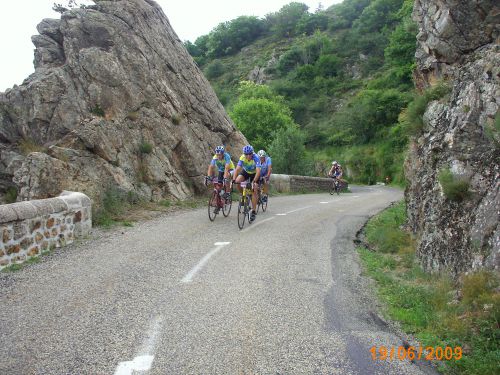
(221, 164)
(265, 166)
(337, 171)
(249, 166)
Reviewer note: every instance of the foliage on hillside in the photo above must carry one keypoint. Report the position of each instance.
(342, 74)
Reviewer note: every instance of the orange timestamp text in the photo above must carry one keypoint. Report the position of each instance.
(428, 353)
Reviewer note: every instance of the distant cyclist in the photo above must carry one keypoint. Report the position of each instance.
(266, 169)
(224, 165)
(336, 171)
(248, 168)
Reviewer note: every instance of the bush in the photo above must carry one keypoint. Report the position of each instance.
(455, 188)
(145, 148)
(27, 146)
(176, 118)
(214, 69)
(98, 111)
(412, 117)
(11, 195)
(288, 152)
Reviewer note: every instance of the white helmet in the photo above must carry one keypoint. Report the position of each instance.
(334, 162)
(262, 153)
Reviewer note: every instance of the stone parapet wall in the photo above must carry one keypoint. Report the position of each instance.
(296, 184)
(30, 228)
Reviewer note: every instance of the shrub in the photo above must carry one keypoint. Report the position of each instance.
(455, 188)
(176, 118)
(145, 148)
(412, 117)
(27, 146)
(98, 111)
(214, 69)
(11, 195)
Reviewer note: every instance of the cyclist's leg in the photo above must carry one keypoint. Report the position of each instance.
(254, 195)
(229, 178)
(239, 179)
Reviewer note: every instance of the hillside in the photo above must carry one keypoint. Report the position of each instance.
(343, 74)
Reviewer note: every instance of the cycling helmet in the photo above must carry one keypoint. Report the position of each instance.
(262, 153)
(219, 150)
(247, 149)
(334, 163)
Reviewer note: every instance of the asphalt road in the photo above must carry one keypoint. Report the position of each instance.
(182, 295)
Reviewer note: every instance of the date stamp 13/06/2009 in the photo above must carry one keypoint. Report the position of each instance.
(411, 353)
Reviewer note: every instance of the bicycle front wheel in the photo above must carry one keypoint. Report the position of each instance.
(332, 189)
(242, 212)
(265, 200)
(212, 206)
(226, 209)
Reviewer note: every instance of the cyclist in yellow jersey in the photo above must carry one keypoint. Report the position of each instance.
(248, 168)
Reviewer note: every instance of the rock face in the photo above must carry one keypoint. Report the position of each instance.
(115, 101)
(458, 42)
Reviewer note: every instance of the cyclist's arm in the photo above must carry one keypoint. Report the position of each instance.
(269, 170)
(257, 174)
(226, 170)
(210, 168)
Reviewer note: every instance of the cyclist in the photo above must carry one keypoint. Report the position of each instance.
(248, 168)
(225, 167)
(266, 169)
(336, 171)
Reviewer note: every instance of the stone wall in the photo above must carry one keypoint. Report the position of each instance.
(289, 183)
(30, 228)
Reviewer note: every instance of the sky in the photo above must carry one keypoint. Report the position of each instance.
(189, 18)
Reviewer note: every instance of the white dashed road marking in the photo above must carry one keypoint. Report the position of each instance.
(189, 277)
(144, 360)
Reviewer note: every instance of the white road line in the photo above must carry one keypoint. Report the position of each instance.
(324, 202)
(143, 361)
(355, 196)
(218, 245)
(280, 214)
(253, 225)
(298, 209)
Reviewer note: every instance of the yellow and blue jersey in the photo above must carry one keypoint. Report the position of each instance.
(251, 165)
(221, 164)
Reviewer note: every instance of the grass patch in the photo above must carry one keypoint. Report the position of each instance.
(98, 111)
(436, 309)
(176, 119)
(455, 188)
(11, 195)
(27, 146)
(413, 117)
(145, 148)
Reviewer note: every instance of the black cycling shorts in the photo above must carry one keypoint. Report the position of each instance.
(247, 175)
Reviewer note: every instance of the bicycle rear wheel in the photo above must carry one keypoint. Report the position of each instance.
(226, 209)
(212, 206)
(242, 211)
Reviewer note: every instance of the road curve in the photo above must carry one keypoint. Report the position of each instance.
(182, 295)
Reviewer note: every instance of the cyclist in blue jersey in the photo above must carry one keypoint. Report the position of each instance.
(224, 165)
(248, 168)
(266, 168)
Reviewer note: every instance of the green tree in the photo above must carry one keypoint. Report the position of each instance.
(285, 21)
(259, 118)
(288, 152)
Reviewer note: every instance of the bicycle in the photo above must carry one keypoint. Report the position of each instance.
(216, 201)
(244, 206)
(335, 186)
(262, 199)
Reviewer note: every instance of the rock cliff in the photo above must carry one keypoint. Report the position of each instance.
(458, 43)
(115, 101)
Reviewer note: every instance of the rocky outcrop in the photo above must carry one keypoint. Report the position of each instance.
(115, 101)
(458, 43)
